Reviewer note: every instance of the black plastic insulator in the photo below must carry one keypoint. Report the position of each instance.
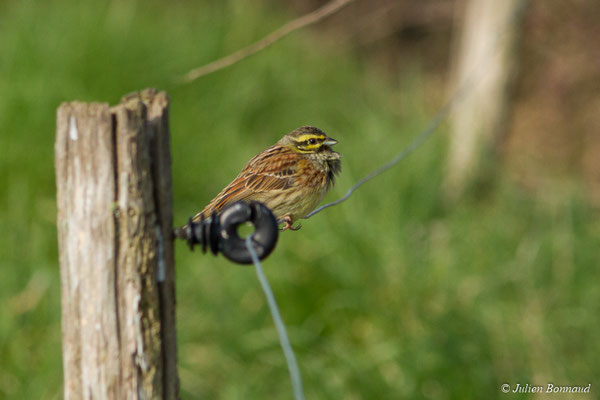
(220, 232)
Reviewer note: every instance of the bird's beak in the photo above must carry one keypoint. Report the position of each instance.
(330, 142)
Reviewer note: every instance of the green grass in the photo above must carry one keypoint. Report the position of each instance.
(389, 295)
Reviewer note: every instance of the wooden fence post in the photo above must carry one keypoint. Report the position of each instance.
(113, 178)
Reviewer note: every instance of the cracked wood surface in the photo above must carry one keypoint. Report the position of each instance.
(116, 251)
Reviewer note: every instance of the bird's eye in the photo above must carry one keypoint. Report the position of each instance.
(312, 141)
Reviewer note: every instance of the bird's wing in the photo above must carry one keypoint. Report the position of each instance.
(272, 170)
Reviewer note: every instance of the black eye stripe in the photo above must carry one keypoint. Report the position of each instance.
(309, 142)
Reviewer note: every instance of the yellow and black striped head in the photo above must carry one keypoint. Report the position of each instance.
(307, 140)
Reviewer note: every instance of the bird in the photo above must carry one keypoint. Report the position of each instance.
(290, 178)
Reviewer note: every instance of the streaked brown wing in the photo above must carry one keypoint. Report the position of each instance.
(272, 170)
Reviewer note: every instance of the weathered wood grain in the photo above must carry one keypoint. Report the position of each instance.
(116, 254)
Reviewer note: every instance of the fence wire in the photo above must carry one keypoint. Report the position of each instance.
(288, 352)
(474, 78)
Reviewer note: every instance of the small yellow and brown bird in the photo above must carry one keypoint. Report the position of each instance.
(290, 178)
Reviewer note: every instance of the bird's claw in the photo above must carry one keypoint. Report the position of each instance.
(288, 225)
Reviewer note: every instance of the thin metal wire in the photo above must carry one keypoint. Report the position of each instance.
(416, 143)
(474, 78)
(288, 352)
(434, 123)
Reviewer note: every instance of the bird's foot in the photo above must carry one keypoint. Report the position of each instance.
(287, 220)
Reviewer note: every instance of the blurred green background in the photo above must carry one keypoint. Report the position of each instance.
(390, 295)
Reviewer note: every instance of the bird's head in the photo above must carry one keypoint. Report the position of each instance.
(310, 140)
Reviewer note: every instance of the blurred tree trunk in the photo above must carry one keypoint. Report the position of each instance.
(484, 48)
